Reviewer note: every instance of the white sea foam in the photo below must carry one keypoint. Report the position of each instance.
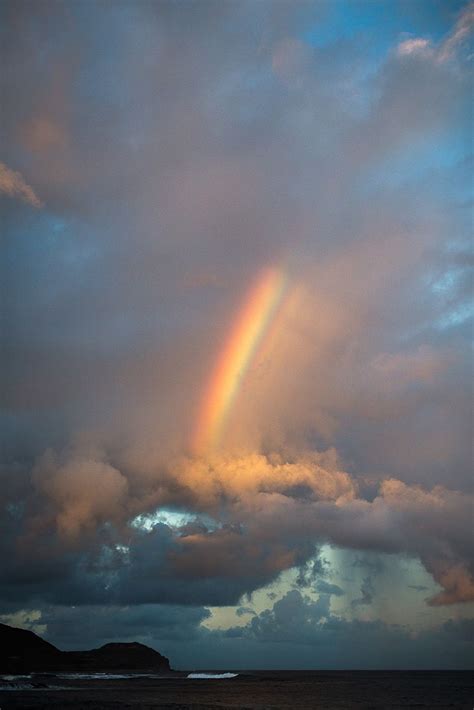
(212, 676)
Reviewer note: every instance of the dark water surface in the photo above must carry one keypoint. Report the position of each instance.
(318, 690)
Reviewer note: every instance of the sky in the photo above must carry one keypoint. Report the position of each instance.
(237, 317)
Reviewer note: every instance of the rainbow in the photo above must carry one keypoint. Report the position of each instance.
(250, 326)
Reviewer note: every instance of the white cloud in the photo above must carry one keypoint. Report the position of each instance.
(417, 45)
(446, 49)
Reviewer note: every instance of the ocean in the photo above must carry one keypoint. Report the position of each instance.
(249, 690)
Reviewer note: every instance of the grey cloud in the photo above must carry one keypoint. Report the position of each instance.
(314, 634)
(324, 587)
(367, 593)
(151, 624)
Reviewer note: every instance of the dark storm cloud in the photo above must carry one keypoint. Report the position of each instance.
(149, 624)
(297, 621)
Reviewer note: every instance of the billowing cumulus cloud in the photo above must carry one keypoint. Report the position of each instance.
(84, 493)
(249, 519)
(182, 151)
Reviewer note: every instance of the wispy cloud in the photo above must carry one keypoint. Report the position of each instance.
(445, 49)
(460, 33)
(14, 185)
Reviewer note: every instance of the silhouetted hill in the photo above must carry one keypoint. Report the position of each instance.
(118, 656)
(23, 651)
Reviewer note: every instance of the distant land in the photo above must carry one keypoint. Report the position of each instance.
(22, 651)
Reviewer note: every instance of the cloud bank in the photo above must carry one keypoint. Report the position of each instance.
(249, 519)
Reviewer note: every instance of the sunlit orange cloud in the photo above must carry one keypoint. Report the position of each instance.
(250, 326)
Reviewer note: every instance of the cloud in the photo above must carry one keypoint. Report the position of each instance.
(291, 59)
(418, 587)
(249, 519)
(84, 493)
(417, 45)
(296, 621)
(13, 185)
(460, 33)
(367, 593)
(457, 583)
(324, 587)
(447, 48)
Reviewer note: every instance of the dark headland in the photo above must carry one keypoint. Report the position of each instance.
(23, 651)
